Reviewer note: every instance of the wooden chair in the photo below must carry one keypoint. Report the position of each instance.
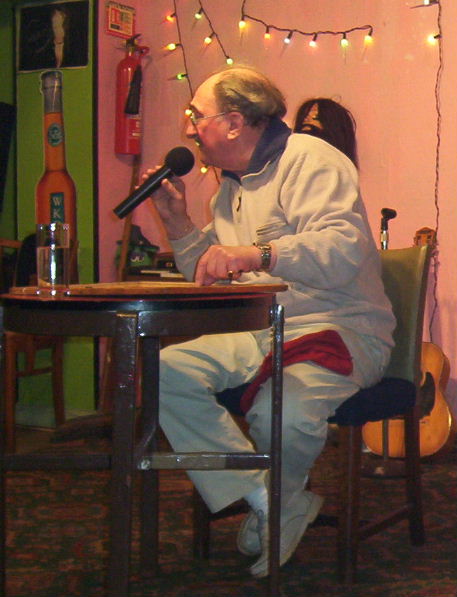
(405, 273)
(11, 272)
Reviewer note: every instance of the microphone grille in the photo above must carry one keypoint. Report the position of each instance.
(388, 213)
(180, 160)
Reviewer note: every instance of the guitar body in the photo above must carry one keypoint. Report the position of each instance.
(436, 427)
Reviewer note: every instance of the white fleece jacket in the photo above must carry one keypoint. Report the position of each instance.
(307, 202)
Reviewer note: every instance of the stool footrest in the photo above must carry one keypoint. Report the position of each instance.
(203, 461)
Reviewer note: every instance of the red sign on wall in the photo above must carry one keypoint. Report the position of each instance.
(120, 19)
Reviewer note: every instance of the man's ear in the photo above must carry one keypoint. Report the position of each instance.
(236, 124)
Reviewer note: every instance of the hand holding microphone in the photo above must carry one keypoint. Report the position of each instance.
(178, 162)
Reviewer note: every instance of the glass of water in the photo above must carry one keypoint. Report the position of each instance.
(53, 259)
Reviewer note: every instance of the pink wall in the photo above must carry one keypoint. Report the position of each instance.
(404, 104)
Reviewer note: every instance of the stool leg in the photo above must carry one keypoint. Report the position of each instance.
(413, 478)
(350, 455)
(125, 352)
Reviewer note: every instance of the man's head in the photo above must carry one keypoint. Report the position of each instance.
(229, 113)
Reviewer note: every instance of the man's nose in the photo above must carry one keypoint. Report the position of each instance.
(189, 130)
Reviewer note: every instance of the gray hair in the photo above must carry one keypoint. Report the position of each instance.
(245, 90)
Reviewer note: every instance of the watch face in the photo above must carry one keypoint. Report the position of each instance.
(265, 256)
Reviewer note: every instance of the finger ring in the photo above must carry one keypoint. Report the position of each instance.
(230, 275)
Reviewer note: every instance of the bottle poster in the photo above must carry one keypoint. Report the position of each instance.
(53, 35)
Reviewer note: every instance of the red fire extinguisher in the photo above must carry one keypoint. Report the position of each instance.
(128, 90)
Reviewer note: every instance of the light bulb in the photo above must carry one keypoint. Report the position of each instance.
(198, 15)
(267, 34)
(344, 42)
(171, 47)
(229, 60)
(242, 24)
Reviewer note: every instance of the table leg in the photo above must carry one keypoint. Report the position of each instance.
(125, 366)
(149, 560)
(275, 451)
(2, 472)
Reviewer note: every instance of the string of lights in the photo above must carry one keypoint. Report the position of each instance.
(313, 35)
(172, 46)
(212, 36)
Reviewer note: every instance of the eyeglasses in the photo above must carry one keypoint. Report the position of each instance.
(196, 119)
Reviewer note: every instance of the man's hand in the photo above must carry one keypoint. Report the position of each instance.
(222, 263)
(170, 202)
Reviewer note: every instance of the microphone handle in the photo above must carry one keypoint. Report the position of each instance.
(150, 185)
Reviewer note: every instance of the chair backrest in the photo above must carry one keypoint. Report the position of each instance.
(405, 276)
(8, 258)
(17, 262)
(25, 274)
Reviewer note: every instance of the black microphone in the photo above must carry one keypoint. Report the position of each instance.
(386, 215)
(178, 161)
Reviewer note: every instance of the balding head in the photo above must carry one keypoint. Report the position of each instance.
(243, 89)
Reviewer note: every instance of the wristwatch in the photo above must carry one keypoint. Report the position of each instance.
(265, 256)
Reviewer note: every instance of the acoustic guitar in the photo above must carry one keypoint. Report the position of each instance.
(437, 427)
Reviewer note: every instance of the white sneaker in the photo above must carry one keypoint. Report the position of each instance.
(299, 511)
(248, 539)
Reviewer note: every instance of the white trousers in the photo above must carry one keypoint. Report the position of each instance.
(191, 418)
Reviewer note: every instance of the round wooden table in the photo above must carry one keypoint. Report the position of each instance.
(140, 314)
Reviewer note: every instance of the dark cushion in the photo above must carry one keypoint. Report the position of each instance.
(390, 397)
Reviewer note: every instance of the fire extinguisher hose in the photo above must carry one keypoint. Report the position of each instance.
(132, 104)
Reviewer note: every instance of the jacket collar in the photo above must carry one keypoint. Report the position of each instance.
(271, 145)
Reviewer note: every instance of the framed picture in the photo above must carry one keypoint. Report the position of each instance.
(53, 35)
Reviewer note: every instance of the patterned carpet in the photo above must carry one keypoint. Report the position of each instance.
(57, 542)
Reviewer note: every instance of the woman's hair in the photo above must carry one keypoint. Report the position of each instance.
(338, 125)
(243, 89)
